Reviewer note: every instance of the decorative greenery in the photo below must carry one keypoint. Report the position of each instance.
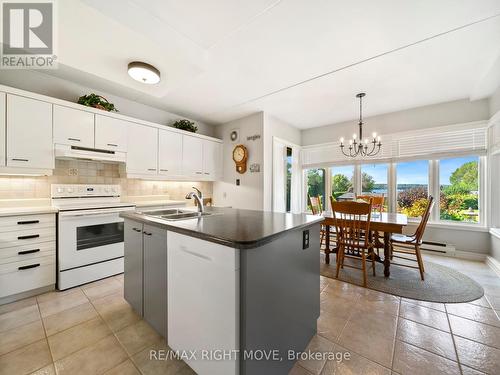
(185, 125)
(97, 101)
(407, 198)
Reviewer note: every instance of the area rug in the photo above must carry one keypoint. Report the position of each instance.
(442, 284)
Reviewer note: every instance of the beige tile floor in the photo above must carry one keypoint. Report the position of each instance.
(92, 330)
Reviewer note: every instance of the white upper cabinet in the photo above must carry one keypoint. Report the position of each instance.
(29, 133)
(192, 157)
(110, 133)
(73, 127)
(212, 160)
(2, 129)
(170, 153)
(142, 149)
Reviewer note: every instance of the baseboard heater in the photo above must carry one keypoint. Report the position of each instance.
(438, 247)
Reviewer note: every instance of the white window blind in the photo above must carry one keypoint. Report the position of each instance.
(463, 138)
(456, 141)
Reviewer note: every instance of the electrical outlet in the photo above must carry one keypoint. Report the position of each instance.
(72, 172)
(305, 239)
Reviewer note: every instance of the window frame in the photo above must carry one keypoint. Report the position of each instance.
(433, 188)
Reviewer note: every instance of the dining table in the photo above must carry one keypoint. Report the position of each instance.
(387, 223)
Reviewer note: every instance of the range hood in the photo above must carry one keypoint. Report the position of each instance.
(76, 152)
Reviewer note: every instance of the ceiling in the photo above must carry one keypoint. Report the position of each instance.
(301, 61)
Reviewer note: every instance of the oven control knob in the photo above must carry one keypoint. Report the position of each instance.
(60, 190)
(114, 190)
(70, 190)
(106, 190)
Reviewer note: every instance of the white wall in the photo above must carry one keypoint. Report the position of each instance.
(250, 193)
(459, 111)
(55, 87)
(274, 127)
(495, 247)
(494, 102)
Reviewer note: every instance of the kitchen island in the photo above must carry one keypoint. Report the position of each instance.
(238, 288)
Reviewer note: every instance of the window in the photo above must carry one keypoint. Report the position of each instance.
(412, 187)
(343, 182)
(288, 178)
(459, 189)
(316, 183)
(374, 180)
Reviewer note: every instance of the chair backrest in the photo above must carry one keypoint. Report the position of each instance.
(352, 222)
(377, 200)
(425, 218)
(315, 205)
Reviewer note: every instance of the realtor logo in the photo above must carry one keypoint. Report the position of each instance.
(28, 35)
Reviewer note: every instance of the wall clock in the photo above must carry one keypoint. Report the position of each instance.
(240, 157)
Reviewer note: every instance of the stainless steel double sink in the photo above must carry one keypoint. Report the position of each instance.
(175, 214)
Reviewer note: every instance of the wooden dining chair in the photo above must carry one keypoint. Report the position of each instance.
(352, 222)
(317, 209)
(377, 205)
(410, 245)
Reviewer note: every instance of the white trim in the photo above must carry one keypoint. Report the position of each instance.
(459, 254)
(469, 255)
(495, 119)
(493, 264)
(453, 226)
(495, 232)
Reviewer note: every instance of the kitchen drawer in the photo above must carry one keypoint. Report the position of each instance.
(27, 237)
(18, 277)
(27, 252)
(23, 222)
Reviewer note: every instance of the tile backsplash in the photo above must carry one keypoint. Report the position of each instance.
(90, 172)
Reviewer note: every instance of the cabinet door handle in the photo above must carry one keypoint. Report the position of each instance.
(163, 170)
(137, 229)
(17, 159)
(198, 173)
(183, 248)
(28, 222)
(112, 144)
(207, 173)
(28, 237)
(151, 169)
(28, 267)
(28, 252)
(147, 233)
(74, 139)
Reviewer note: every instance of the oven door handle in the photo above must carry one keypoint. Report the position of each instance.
(94, 213)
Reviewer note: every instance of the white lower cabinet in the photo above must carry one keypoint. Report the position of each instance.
(203, 301)
(27, 254)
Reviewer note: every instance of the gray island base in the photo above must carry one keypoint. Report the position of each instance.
(239, 289)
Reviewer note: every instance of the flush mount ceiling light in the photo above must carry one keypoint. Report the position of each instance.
(143, 72)
(358, 146)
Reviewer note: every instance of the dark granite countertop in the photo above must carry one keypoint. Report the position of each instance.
(241, 229)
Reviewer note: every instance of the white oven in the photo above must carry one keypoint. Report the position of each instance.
(90, 233)
(90, 236)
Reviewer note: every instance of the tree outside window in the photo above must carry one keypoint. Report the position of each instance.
(342, 182)
(412, 187)
(316, 183)
(459, 189)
